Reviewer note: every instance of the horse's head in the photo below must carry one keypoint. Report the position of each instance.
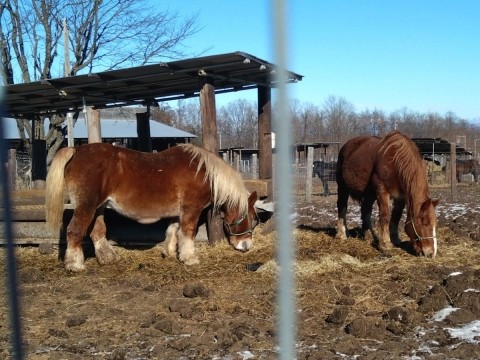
(239, 226)
(421, 229)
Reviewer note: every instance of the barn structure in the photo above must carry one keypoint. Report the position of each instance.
(121, 132)
(202, 77)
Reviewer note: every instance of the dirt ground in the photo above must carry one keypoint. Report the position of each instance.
(351, 301)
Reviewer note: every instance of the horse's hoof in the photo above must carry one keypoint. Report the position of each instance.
(74, 267)
(106, 256)
(385, 254)
(166, 252)
(191, 261)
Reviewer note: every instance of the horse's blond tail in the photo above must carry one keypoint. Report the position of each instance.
(54, 193)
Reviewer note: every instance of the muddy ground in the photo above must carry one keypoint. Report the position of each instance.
(351, 302)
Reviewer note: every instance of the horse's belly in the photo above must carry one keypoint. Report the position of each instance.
(140, 214)
(148, 220)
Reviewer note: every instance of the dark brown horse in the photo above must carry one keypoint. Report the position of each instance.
(177, 183)
(373, 169)
(325, 172)
(468, 166)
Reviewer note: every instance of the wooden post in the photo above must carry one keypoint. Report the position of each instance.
(254, 166)
(12, 168)
(93, 124)
(264, 132)
(209, 134)
(236, 161)
(308, 190)
(143, 132)
(453, 169)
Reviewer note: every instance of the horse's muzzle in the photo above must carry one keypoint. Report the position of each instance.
(422, 249)
(244, 244)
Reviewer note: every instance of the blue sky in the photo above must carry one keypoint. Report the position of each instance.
(423, 55)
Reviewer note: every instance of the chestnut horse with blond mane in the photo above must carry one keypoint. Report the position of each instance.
(177, 183)
(373, 169)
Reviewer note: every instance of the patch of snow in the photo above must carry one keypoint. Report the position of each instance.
(469, 332)
(245, 355)
(456, 273)
(444, 313)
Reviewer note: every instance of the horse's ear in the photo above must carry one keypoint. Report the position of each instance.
(252, 198)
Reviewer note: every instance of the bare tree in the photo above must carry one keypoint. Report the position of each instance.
(238, 123)
(188, 117)
(308, 122)
(103, 35)
(340, 115)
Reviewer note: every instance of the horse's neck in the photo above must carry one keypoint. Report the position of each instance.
(417, 195)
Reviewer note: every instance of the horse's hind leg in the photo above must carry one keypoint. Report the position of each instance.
(169, 247)
(397, 211)
(76, 230)
(326, 191)
(104, 252)
(342, 203)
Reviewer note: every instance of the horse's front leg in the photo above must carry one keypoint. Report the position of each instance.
(104, 252)
(326, 191)
(186, 235)
(383, 201)
(397, 211)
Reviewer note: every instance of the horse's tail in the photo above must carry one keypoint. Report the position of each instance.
(55, 189)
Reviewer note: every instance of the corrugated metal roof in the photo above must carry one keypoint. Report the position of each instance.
(141, 85)
(437, 146)
(111, 129)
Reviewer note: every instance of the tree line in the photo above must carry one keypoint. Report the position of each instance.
(335, 120)
(44, 39)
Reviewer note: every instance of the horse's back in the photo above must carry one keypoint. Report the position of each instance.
(356, 162)
(134, 182)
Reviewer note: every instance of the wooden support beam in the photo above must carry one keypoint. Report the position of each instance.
(263, 187)
(264, 133)
(209, 133)
(143, 132)
(453, 169)
(94, 128)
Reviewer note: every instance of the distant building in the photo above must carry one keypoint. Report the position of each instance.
(119, 131)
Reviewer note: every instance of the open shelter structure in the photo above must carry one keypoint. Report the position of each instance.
(202, 77)
(148, 85)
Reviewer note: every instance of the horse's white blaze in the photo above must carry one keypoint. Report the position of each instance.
(244, 244)
(435, 246)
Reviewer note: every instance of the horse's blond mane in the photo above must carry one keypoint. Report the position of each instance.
(226, 183)
(412, 170)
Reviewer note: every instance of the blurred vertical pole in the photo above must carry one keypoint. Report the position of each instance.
(16, 339)
(282, 124)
